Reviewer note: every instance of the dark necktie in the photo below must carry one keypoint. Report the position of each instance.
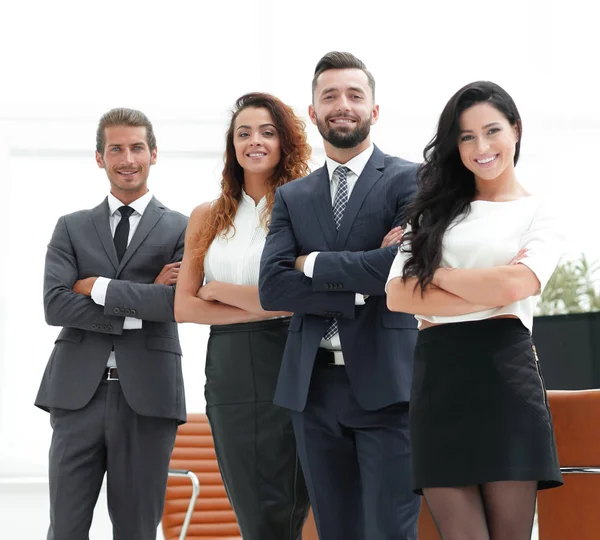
(122, 231)
(339, 205)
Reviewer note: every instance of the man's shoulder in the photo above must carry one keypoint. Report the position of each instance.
(395, 164)
(300, 185)
(174, 216)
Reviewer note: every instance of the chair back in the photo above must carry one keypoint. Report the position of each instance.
(571, 511)
(213, 517)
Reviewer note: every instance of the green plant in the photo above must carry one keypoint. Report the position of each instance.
(571, 289)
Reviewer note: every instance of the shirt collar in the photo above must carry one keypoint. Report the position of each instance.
(139, 205)
(356, 164)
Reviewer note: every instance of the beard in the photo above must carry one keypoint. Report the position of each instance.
(341, 136)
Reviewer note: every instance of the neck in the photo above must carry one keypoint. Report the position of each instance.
(503, 188)
(127, 197)
(255, 185)
(344, 155)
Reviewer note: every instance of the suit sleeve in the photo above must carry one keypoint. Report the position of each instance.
(146, 301)
(281, 287)
(63, 307)
(365, 272)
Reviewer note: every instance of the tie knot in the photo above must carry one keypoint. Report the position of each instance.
(125, 211)
(341, 171)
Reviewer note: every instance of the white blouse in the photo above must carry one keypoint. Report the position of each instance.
(235, 258)
(491, 235)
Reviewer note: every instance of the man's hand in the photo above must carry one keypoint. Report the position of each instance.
(208, 292)
(300, 263)
(169, 274)
(393, 237)
(84, 286)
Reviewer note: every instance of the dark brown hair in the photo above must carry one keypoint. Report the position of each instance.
(124, 117)
(341, 60)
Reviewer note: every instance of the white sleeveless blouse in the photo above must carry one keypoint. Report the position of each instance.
(236, 259)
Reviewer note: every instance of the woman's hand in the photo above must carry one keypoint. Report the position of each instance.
(209, 291)
(518, 257)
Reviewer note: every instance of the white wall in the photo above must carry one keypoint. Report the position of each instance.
(65, 63)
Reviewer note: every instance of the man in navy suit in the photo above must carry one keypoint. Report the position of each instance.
(347, 367)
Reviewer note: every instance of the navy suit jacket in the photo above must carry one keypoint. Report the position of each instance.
(377, 344)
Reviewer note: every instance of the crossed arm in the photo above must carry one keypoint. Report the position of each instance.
(216, 302)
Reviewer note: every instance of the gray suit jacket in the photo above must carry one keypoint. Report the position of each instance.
(149, 359)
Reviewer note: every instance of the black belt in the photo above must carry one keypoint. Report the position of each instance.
(111, 374)
(326, 356)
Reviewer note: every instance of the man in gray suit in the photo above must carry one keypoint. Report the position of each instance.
(113, 384)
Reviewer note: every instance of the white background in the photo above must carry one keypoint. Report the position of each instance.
(63, 64)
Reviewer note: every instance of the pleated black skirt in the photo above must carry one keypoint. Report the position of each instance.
(478, 408)
(254, 439)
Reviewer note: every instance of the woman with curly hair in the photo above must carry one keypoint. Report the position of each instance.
(478, 251)
(266, 147)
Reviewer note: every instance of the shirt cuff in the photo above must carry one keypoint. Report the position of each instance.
(359, 299)
(131, 323)
(99, 290)
(309, 264)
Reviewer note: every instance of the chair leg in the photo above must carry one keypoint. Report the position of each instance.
(195, 492)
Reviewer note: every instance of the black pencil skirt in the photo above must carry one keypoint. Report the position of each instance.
(478, 408)
(254, 439)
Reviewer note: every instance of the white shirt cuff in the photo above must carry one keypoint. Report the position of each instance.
(359, 300)
(99, 290)
(131, 323)
(309, 264)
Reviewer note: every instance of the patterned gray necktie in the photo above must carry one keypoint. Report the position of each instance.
(339, 205)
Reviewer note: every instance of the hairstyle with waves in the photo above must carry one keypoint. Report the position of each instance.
(295, 155)
(446, 186)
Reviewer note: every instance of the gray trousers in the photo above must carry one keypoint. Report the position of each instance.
(107, 436)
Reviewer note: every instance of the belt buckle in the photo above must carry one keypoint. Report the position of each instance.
(109, 376)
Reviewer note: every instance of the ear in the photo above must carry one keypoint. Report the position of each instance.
(99, 160)
(153, 156)
(517, 129)
(375, 114)
(312, 114)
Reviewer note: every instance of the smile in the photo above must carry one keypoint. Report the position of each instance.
(127, 173)
(485, 161)
(343, 121)
(256, 154)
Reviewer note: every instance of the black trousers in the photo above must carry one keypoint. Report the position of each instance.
(254, 439)
(107, 436)
(356, 462)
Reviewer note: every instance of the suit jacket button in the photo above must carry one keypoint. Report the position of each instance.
(133, 311)
(127, 312)
(93, 327)
(109, 328)
(116, 310)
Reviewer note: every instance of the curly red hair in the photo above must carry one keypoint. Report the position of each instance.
(295, 154)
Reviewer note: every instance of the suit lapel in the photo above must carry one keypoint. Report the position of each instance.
(321, 196)
(100, 216)
(152, 215)
(372, 172)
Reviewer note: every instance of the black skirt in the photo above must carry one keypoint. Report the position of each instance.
(478, 408)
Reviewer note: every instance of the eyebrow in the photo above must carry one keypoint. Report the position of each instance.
(260, 127)
(120, 144)
(351, 88)
(484, 127)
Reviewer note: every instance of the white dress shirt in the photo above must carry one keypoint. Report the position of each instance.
(356, 166)
(101, 285)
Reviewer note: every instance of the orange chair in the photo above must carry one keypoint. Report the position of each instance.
(571, 511)
(427, 528)
(196, 506)
(189, 515)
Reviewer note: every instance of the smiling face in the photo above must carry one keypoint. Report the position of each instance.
(487, 142)
(256, 141)
(343, 108)
(127, 159)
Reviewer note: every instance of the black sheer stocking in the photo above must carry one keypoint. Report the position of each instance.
(458, 512)
(509, 509)
(493, 511)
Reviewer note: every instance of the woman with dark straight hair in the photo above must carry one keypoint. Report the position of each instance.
(266, 147)
(477, 251)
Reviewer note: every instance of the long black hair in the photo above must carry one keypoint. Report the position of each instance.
(446, 186)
